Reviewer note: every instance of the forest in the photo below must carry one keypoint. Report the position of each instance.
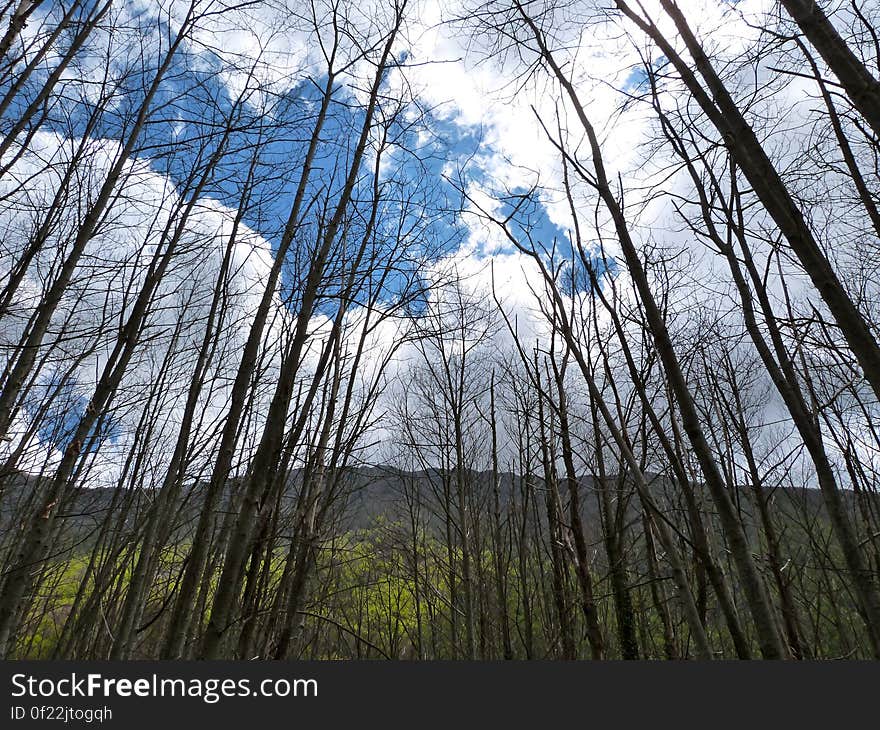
(440, 329)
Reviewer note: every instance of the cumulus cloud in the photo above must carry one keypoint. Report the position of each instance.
(105, 285)
(469, 86)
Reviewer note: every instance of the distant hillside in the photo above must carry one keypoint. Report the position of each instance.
(363, 495)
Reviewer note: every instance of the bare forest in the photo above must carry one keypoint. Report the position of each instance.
(440, 329)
